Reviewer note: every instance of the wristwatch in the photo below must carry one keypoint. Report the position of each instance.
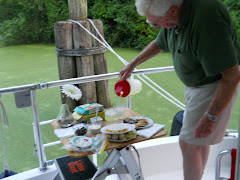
(210, 116)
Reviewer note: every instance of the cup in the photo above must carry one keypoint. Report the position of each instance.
(96, 120)
(94, 128)
(111, 115)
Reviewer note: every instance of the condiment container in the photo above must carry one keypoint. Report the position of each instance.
(82, 142)
(128, 87)
(96, 120)
(94, 128)
(80, 129)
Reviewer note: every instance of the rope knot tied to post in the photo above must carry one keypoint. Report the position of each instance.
(81, 52)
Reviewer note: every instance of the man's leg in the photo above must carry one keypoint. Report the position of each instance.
(205, 153)
(194, 160)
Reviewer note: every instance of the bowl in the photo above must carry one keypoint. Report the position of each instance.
(79, 129)
(94, 128)
(82, 142)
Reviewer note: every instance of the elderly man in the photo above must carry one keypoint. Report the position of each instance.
(202, 39)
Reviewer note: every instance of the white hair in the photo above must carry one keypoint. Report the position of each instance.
(156, 7)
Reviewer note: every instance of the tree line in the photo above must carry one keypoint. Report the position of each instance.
(32, 21)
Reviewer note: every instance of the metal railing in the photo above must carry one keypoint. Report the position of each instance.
(33, 87)
(218, 163)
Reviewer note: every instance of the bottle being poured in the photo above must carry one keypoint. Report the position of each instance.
(128, 87)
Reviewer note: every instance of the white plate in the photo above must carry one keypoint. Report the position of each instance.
(150, 121)
(130, 127)
(120, 140)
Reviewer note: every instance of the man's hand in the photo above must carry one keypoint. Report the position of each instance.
(225, 91)
(150, 51)
(126, 72)
(204, 127)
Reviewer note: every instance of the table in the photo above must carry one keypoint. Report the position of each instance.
(118, 149)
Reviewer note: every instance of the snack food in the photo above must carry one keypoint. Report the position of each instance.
(116, 128)
(130, 120)
(141, 123)
(137, 122)
(123, 137)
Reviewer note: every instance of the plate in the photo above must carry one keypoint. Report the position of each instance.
(130, 127)
(123, 140)
(150, 121)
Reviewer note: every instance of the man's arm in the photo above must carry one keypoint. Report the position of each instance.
(225, 91)
(150, 51)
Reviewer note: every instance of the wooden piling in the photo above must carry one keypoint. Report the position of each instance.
(100, 67)
(84, 64)
(71, 41)
(78, 9)
(66, 64)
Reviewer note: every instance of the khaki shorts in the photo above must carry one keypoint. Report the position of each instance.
(197, 102)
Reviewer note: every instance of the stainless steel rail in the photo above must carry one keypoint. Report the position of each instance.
(37, 133)
(81, 80)
(218, 163)
(237, 170)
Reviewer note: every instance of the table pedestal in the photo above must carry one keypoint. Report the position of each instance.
(119, 161)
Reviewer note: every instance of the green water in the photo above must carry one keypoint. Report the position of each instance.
(28, 64)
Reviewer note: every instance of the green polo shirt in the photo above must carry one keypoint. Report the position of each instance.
(204, 44)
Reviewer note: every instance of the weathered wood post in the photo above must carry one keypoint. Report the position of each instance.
(87, 56)
(66, 64)
(100, 66)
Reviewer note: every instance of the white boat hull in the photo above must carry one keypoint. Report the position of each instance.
(160, 159)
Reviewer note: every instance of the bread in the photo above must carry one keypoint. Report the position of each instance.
(141, 123)
(116, 128)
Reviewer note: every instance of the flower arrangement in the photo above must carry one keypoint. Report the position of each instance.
(65, 118)
(72, 91)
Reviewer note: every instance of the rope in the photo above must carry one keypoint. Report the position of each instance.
(81, 52)
(172, 99)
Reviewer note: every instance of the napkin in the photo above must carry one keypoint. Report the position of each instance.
(64, 133)
(67, 132)
(150, 131)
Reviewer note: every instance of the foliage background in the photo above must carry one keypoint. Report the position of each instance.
(32, 21)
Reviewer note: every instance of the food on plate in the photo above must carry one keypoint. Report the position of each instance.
(141, 123)
(130, 120)
(116, 128)
(121, 136)
(131, 134)
(114, 136)
(124, 136)
(137, 122)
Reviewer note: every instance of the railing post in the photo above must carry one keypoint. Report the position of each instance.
(38, 137)
(129, 102)
(237, 173)
(218, 163)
